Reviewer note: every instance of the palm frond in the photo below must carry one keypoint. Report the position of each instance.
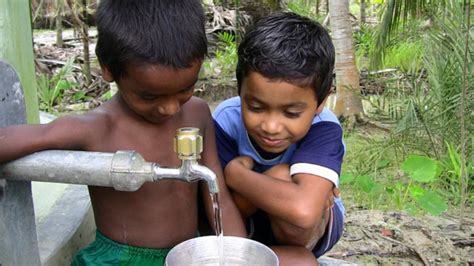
(395, 14)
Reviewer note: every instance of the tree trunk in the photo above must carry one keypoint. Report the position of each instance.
(348, 102)
(317, 8)
(79, 14)
(362, 11)
(85, 43)
(59, 23)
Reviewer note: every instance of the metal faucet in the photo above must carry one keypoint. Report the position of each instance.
(123, 170)
(188, 145)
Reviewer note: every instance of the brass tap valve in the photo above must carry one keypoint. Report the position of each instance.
(188, 143)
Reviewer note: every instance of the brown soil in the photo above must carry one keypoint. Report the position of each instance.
(394, 238)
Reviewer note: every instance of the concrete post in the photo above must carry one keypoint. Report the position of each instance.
(18, 242)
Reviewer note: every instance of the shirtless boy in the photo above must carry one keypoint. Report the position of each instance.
(153, 50)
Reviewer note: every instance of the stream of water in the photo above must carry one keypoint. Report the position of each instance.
(218, 227)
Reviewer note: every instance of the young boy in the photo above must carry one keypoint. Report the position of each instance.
(153, 50)
(281, 149)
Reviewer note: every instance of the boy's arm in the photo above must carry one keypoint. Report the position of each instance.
(231, 219)
(63, 133)
(300, 203)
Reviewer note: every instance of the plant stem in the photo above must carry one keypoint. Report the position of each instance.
(406, 192)
(467, 5)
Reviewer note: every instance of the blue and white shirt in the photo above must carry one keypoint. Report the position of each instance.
(319, 153)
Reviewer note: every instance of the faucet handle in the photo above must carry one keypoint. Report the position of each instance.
(188, 143)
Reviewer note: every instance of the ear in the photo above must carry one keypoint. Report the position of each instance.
(106, 74)
(321, 106)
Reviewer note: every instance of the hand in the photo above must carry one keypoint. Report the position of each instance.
(330, 198)
(245, 207)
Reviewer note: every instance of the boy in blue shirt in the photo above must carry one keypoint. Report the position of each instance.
(281, 149)
(153, 50)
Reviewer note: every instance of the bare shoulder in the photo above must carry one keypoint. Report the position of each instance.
(196, 103)
(197, 110)
(78, 131)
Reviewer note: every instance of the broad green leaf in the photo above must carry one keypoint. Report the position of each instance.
(432, 202)
(416, 191)
(420, 168)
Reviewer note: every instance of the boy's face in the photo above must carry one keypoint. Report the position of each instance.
(276, 113)
(156, 92)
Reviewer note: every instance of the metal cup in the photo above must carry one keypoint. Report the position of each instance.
(236, 251)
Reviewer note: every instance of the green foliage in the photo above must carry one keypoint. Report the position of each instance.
(303, 8)
(407, 56)
(420, 168)
(451, 179)
(107, 95)
(424, 102)
(222, 66)
(395, 15)
(51, 89)
(363, 44)
(413, 189)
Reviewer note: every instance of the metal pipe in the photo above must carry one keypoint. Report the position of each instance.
(123, 170)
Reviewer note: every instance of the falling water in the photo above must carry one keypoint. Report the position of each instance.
(218, 226)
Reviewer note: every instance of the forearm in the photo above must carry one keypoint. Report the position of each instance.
(289, 234)
(300, 203)
(16, 142)
(253, 186)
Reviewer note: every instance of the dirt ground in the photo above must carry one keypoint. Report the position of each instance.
(394, 238)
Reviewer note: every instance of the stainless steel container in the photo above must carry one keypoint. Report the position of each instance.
(236, 251)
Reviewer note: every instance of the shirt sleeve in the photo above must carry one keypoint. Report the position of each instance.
(320, 152)
(226, 146)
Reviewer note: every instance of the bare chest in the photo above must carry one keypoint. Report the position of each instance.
(154, 143)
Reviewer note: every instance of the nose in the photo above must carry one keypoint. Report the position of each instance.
(271, 126)
(169, 107)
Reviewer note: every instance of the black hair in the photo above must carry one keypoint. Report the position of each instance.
(165, 32)
(288, 47)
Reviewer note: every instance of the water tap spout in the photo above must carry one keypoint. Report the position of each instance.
(188, 146)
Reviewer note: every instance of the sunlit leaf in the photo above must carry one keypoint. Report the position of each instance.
(420, 168)
(416, 191)
(433, 203)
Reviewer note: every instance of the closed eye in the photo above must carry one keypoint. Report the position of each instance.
(292, 114)
(254, 108)
(148, 97)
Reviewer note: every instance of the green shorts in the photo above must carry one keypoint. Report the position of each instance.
(105, 251)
